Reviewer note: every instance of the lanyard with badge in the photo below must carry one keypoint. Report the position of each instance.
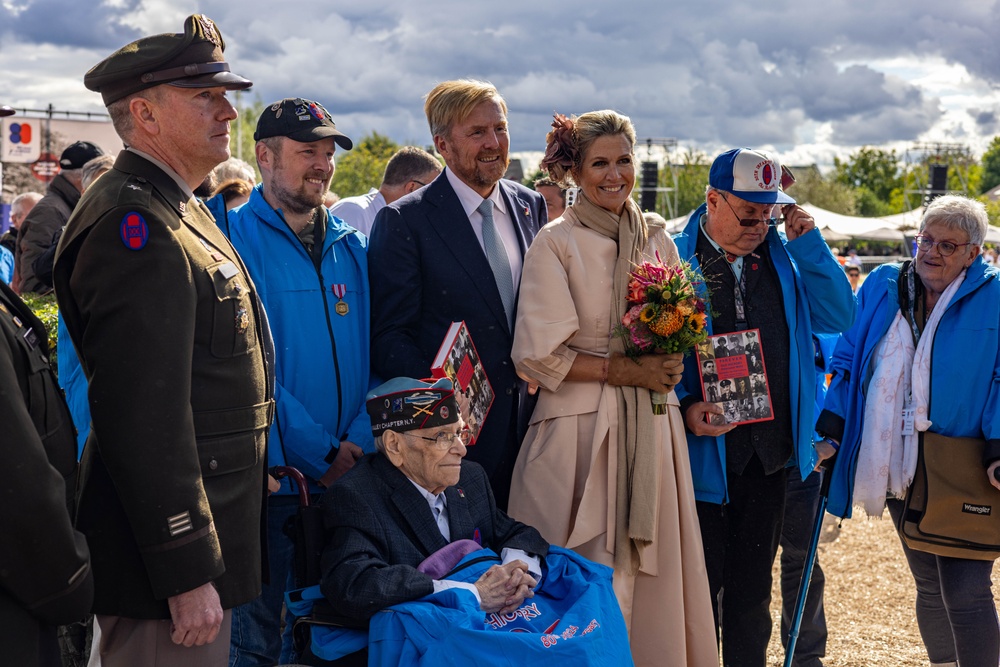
(909, 411)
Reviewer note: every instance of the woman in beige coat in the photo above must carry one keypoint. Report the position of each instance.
(599, 472)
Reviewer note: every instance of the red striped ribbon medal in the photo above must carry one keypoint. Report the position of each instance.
(339, 290)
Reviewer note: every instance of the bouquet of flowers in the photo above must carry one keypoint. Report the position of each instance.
(665, 313)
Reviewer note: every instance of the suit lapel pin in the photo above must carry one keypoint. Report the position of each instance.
(461, 493)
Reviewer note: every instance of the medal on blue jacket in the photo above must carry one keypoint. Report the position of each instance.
(339, 290)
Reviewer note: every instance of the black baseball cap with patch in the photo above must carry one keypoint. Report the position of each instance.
(78, 154)
(192, 59)
(300, 120)
(405, 404)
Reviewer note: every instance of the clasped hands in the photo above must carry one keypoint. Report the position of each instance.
(656, 372)
(503, 588)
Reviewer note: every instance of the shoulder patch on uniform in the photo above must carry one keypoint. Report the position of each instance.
(134, 231)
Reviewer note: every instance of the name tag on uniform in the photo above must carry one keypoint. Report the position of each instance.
(31, 338)
(228, 270)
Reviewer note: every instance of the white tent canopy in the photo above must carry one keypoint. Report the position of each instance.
(837, 227)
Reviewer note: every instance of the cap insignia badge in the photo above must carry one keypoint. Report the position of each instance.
(211, 33)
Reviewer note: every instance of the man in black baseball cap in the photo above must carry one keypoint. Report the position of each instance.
(300, 120)
(40, 226)
(78, 154)
(324, 371)
(172, 340)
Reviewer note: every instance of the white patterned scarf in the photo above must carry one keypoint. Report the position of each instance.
(887, 459)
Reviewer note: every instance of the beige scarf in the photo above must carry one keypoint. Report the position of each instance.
(638, 453)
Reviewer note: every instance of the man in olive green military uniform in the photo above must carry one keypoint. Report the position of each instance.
(175, 349)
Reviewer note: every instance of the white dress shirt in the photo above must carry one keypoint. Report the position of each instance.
(502, 218)
(439, 509)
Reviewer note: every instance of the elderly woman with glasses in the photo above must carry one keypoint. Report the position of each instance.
(924, 356)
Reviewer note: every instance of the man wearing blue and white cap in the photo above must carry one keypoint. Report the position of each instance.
(396, 508)
(788, 285)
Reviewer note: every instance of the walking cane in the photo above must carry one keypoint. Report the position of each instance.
(810, 561)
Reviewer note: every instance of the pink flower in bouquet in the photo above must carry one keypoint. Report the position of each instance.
(632, 316)
(636, 292)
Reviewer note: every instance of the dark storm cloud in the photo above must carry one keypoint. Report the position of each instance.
(987, 120)
(76, 24)
(711, 73)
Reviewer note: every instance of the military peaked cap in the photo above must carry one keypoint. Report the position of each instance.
(192, 59)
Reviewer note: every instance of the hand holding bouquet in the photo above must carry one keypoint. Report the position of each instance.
(665, 313)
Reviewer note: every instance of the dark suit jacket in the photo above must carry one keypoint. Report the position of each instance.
(428, 270)
(173, 346)
(379, 528)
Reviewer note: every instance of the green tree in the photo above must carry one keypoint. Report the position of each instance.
(241, 143)
(992, 211)
(827, 193)
(530, 177)
(875, 173)
(361, 168)
(45, 309)
(692, 179)
(991, 166)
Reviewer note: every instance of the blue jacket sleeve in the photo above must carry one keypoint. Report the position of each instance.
(305, 442)
(991, 414)
(832, 305)
(6, 265)
(360, 430)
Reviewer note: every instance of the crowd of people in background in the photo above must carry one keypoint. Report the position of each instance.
(213, 328)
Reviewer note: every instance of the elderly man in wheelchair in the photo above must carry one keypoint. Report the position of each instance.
(420, 567)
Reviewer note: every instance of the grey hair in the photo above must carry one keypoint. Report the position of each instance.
(121, 114)
(379, 445)
(95, 168)
(25, 199)
(960, 213)
(235, 168)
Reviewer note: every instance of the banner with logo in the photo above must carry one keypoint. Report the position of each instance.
(20, 139)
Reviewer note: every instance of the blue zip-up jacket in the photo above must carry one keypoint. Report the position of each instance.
(965, 369)
(321, 358)
(817, 298)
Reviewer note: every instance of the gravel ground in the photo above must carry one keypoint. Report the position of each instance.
(869, 598)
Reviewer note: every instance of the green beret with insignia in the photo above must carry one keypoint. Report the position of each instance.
(192, 59)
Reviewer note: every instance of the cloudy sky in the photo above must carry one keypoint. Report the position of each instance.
(809, 80)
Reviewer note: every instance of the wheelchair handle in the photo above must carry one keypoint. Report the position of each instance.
(300, 481)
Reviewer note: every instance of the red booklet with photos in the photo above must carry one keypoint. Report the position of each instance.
(731, 366)
(458, 360)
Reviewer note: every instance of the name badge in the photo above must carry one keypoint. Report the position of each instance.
(228, 270)
(909, 413)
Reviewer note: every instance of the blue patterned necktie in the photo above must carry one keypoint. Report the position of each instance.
(496, 254)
